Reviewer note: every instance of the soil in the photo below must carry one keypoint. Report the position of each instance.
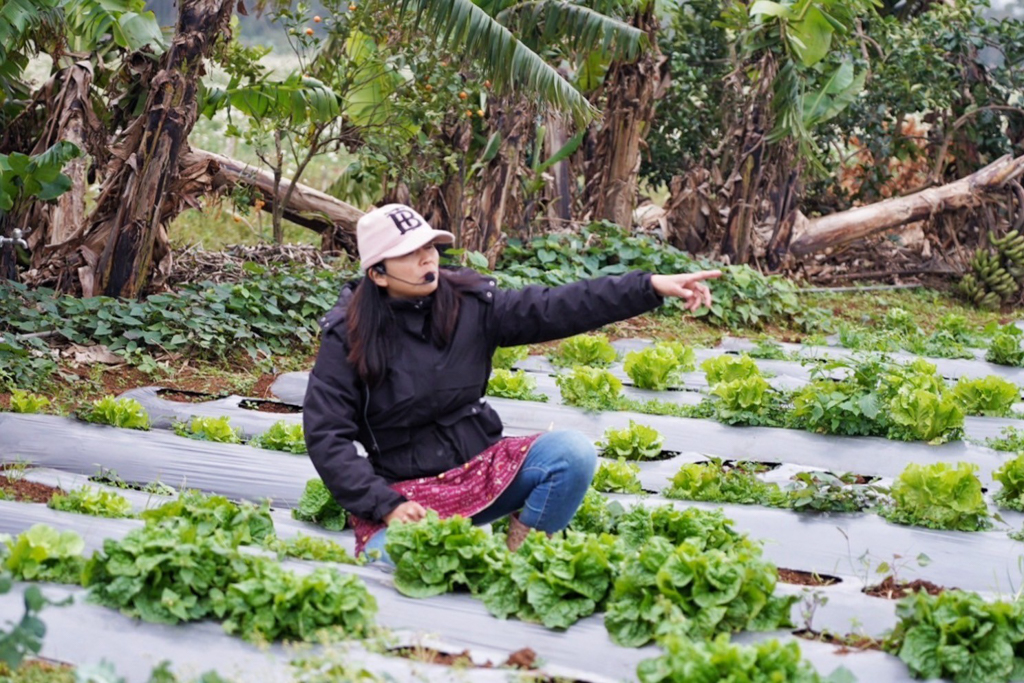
(892, 590)
(27, 491)
(270, 407)
(847, 643)
(802, 578)
(181, 396)
(40, 669)
(524, 659)
(750, 466)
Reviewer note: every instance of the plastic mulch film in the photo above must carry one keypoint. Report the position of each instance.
(163, 412)
(85, 634)
(834, 543)
(583, 652)
(236, 471)
(950, 368)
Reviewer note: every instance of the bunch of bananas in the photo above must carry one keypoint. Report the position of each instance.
(995, 277)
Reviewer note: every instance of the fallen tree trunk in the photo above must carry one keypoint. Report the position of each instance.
(844, 227)
(308, 207)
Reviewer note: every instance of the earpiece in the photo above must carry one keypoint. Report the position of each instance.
(380, 269)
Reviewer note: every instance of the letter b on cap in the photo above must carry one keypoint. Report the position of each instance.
(405, 219)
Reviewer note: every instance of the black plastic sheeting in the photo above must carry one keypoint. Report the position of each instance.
(236, 471)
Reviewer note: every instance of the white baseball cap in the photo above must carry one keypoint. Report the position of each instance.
(394, 230)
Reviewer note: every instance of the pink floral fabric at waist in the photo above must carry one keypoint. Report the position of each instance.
(464, 490)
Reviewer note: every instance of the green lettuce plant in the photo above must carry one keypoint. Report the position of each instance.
(310, 548)
(939, 496)
(922, 415)
(25, 402)
(992, 396)
(506, 357)
(1011, 476)
(617, 476)
(709, 481)
(243, 523)
(516, 385)
(747, 401)
(117, 412)
(554, 581)
(590, 388)
(720, 660)
(727, 368)
(694, 593)
(435, 556)
(282, 436)
(660, 366)
(318, 506)
(215, 429)
(585, 349)
(635, 442)
(959, 636)
(1005, 347)
(44, 554)
(89, 500)
(269, 603)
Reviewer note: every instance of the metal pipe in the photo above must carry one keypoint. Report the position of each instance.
(16, 238)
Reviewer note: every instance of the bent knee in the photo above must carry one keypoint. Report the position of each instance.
(575, 448)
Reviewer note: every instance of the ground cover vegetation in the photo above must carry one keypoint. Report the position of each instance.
(634, 574)
(185, 564)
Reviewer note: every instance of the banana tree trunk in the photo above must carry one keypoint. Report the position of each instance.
(128, 216)
(499, 195)
(632, 92)
(558, 192)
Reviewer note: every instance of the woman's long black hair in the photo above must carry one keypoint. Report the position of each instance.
(371, 321)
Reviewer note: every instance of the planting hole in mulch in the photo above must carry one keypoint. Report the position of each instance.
(270, 406)
(890, 589)
(846, 643)
(848, 478)
(524, 660)
(20, 490)
(748, 466)
(183, 396)
(802, 578)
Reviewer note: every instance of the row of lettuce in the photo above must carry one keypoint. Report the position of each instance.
(870, 396)
(873, 397)
(683, 578)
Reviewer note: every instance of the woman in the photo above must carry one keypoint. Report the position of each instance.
(403, 367)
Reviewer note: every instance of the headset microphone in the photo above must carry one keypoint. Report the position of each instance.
(427, 279)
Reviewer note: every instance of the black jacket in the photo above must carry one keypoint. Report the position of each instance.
(429, 415)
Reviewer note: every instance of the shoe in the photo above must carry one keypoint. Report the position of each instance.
(517, 533)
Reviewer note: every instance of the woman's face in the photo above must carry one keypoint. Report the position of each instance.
(406, 275)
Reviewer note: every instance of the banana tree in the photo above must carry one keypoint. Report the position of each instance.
(793, 72)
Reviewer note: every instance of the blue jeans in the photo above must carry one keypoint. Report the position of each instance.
(546, 491)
